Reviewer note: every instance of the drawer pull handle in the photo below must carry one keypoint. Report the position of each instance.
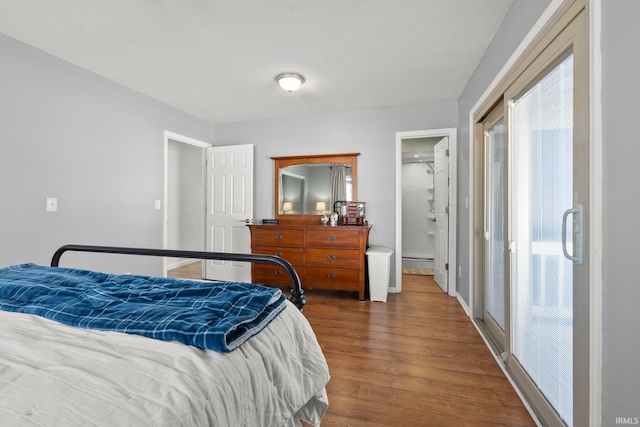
(278, 254)
(278, 272)
(332, 238)
(331, 257)
(278, 236)
(331, 276)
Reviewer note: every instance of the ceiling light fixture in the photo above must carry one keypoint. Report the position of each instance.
(290, 81)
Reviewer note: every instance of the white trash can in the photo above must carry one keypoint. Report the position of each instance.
(379, 267)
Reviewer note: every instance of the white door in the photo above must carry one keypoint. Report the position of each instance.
(441, 202)
(229, 209)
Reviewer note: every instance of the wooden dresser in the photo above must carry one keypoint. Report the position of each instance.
(325, 257)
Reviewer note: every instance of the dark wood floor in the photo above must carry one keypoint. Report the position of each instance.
(415, 360)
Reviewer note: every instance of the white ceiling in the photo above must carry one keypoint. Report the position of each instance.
(217, 59)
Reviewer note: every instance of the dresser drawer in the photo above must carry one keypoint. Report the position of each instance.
(267, 274)
(332, 257)
(278, 237)
(291, 254)
(332, 278)
(333, 237)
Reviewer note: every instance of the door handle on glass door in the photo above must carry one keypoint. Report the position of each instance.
(579, 234)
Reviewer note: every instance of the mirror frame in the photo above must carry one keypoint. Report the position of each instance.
(350, 159)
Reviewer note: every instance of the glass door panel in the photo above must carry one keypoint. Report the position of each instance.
(495, 220)
(542, 277)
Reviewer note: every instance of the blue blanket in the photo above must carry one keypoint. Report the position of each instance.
(218, 316)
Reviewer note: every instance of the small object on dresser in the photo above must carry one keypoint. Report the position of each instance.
(352, 213)
(269, 221)
(334, 219)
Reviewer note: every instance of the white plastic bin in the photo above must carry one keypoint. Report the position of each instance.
(379, 267)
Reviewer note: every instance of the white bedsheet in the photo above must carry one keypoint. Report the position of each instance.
(57, 375)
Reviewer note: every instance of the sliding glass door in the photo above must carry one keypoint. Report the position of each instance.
(542, 286)
(533, 163)
(495, 306)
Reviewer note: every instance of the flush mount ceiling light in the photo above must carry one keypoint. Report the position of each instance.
(290, 81)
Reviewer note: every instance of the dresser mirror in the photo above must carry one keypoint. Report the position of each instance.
(308, 186)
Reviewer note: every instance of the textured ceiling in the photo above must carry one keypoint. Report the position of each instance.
(217, 59)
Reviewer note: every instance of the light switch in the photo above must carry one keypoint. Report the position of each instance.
(158, 204)
(52, 204)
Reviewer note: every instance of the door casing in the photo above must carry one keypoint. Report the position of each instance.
(453, 194)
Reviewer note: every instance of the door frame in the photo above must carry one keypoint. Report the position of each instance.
(452, 134)
(185, 140)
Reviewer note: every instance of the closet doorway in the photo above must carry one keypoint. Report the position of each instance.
(425, 206)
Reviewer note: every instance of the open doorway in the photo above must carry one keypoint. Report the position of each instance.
(418, 206)
(425, 206)
(184, 197)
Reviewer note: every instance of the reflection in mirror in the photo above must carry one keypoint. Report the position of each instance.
(313, 188)
(307, 187)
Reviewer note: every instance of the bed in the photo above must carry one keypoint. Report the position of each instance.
(53, 373)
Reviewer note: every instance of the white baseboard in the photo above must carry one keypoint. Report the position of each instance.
(177, 262)
(464, 305)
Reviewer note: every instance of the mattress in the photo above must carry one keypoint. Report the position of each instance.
(53, 374)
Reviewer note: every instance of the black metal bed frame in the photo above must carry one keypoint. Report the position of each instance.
(297, 293)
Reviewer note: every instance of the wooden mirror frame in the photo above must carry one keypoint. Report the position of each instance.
(349, 159)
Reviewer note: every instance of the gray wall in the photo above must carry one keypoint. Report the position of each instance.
(94, 145)
(371, 133)
(518, 22)
(621, 204)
